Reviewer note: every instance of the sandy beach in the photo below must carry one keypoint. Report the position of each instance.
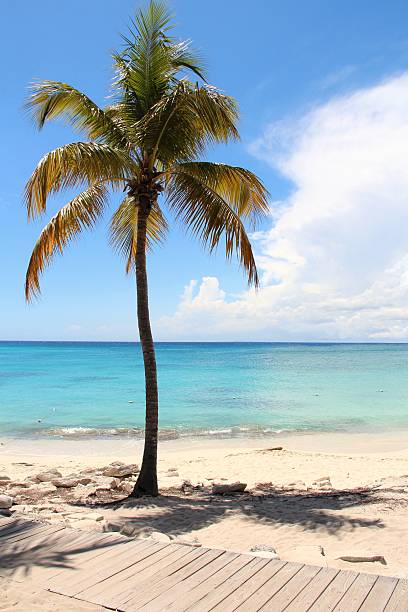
(312, 498)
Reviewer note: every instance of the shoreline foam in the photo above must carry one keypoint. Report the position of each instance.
(303, 441)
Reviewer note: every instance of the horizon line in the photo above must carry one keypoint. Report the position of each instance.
(207, 341)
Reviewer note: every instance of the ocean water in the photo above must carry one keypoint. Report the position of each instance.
(214, 389)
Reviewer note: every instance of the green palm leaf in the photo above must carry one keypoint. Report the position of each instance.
(184, 122)
(152, 59)
(52, 99)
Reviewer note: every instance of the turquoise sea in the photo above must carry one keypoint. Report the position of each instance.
(214, 389)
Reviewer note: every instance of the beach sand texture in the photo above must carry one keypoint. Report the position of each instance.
(363, 512)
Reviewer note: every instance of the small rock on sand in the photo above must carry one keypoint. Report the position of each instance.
(22, 484)
(187, 541)
(88, 470)
(85, 480)
(107, 485)
(5, 502)
(65, 483)
(264, 550)
(118, 469)
(297, 485)
(39, 490)
(126, 486)
(135, 529)
(83, 492)
(322, 484)
(47, 476)
(234, 487)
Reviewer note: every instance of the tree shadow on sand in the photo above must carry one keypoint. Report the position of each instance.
(177, 514)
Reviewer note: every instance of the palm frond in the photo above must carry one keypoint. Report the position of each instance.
(78, 163)
(151, 60)
(185, 121)
(123, 229)
(80, 213)
(208, 216)
(183, 56)
(145, 63)
(216, 113)
(53, 99)
(127, 114)
(241, 188)
(151, 135)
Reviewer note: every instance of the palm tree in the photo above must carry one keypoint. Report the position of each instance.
(147, 143)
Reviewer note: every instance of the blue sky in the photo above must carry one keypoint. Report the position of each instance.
(309, 77)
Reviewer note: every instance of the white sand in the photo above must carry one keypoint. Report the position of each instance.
(299, 526)
(29, 597)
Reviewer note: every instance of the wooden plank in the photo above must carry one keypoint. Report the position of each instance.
(314, 589)
(31, 531)
(109, 562)
(229, 563)
(33, 554)
(88, 548)
(244, 591)
(97, 544)
(110, 570)
(334, 592)
(380, 594)
(230, 585)
(192, 563)
(398, 601)
(24, 537)
(356, 593)
(5, 521)
(114, 566)
(15, 526)
(60, 554)
(162, 573)
(176, 596)
(79, 543)
(270, 587)
(35, 541)
(24, 557)
(112, 590)
(296, 584)
(44, 555)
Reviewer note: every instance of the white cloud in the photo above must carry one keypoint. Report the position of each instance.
(335, 264)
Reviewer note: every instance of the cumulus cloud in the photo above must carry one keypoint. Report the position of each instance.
(334, 265)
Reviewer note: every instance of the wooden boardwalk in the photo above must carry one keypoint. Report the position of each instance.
(123, 574)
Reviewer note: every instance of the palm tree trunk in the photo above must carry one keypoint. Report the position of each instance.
(147, 481)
